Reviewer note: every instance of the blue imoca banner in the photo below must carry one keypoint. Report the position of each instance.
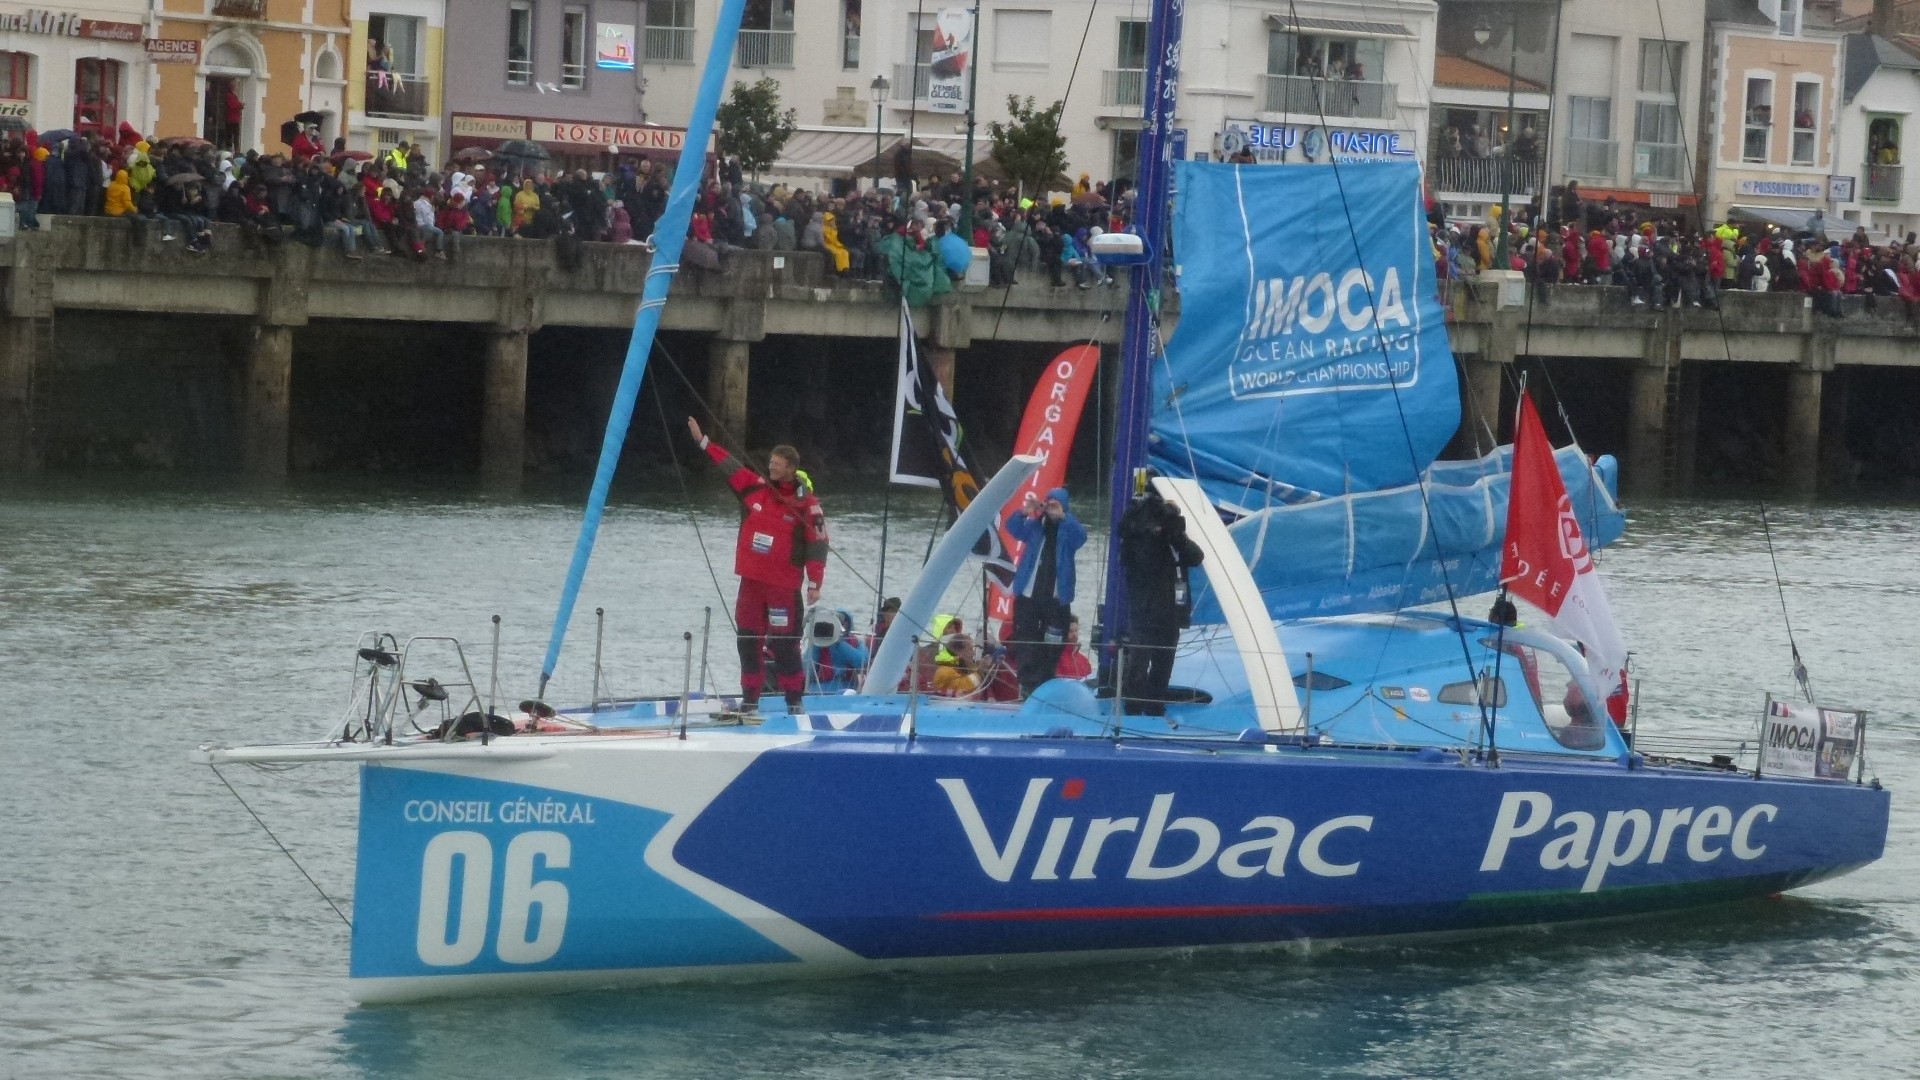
(1308, 306)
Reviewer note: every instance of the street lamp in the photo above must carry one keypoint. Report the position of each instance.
(880, 86)
(1483, 33)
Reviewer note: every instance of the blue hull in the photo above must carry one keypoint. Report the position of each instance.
(745, 855)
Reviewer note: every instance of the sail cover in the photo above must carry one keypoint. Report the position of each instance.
(1311, 357)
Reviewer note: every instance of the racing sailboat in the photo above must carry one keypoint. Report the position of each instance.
(1373, 770)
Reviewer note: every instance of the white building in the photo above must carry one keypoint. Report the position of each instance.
(82, 68)
(1254, 73)
(1880, 96)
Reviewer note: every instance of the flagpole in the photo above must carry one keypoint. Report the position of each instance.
(1502, 615)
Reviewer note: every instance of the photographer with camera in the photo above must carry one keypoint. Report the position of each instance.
(1155, 555)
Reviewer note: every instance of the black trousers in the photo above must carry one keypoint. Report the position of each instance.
(1039, 634)
(1147, 669)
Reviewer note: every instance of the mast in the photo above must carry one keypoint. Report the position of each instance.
(1150, 220)
(669, 237)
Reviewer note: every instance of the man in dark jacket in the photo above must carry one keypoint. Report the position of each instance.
(1155, 555)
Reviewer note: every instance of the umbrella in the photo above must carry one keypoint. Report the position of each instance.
(55, 138)
(1089, 198)
(351, 155)
(521, 148)
(182, 179)
(472, 154)
(314, 118)
(187, 141)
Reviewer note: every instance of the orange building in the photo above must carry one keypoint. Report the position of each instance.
(258, 64)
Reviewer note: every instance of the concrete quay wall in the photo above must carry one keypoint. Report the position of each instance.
(85, 273)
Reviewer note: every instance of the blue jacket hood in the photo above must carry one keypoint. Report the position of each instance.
(1061, 494)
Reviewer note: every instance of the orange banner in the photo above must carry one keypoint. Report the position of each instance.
(1053, 415)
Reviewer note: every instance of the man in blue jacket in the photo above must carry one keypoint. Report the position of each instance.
(1042, 584)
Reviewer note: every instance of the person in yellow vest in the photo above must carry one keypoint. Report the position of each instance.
(397, 160)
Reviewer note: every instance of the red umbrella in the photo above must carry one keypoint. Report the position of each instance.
(351, 155)
(472, 154)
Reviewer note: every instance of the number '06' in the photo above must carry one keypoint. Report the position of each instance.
(449, 936)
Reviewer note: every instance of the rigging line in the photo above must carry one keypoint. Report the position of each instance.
(283, 849)
(686, 497)
(1726, 341)
(1413, 458)
(1799, 666)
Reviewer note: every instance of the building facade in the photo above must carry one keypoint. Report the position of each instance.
(395, 89)
(80, 68)
(256, 64)
(1774, 79)
(1627, 99)
(562, 74)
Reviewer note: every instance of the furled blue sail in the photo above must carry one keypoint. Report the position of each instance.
(1392, 549)
(1311, 357)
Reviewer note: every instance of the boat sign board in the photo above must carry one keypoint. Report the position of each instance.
(1809, 741)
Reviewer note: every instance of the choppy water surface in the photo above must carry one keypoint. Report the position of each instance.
(150, 928)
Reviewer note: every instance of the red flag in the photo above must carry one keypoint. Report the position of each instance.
(1053, 415)
(1545, 560)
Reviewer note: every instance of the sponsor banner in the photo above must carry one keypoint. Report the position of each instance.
(1314, 144)
(488, 127)
(1338, 336)
(1809, 741)
(1840, 188)
(1053, 415)
(1782, 189)
(173, 50)
(613, 48)
(605, 135)
(952, 55)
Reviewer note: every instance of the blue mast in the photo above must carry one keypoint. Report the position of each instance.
(669, 237)
(1150, 220)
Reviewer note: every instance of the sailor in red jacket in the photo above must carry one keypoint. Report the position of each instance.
(783, 541)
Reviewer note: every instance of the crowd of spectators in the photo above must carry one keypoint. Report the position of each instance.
(1665, 260)
(399, 204)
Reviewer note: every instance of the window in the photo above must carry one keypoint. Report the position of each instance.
(519, 43)
(766, 35)
(1133, 45)
(1883, 160)
(850, 35)
(14, 69)
(1806, 116)
(1590, 136)
(573, 48)
(393, 43)
(1126, 154)
(1789, 21)
(1571, 718)
(1021, 38)
(670, 30)
(1660, 66)
(1317, 57)
(1757, 128)
(1320, 681)
(1486, 689)
(96, 96)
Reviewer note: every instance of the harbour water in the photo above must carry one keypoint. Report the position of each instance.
(151, 928)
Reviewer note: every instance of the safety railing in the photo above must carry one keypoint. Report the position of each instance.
(763, 49)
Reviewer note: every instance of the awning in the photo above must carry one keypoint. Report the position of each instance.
(1789, 218)
(1344, 27)
(830, 153)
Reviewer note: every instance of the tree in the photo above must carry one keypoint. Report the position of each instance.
(750, 126)
(1030, 147)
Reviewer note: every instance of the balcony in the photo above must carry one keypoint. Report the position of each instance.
(573, 76)
(1658, 161)
(1592, 159)
(669, 44)
(1485, 176)
(1882, 184)
(1123, 88)
(397, 95)
(764, 49)
(519, 72)
(910, 81)
(240, 9)
(1307, 97)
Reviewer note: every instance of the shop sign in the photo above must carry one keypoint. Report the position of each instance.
(603, 135)
(1307, 142)
(1781, 189)
(67, 24)
(173, 50)
(1840, 188)
(488, 127)
(613, 48)
(20, 109)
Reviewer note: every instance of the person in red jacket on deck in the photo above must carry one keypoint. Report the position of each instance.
(783, 541)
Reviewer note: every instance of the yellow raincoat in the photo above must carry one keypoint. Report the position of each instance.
(831, 240)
